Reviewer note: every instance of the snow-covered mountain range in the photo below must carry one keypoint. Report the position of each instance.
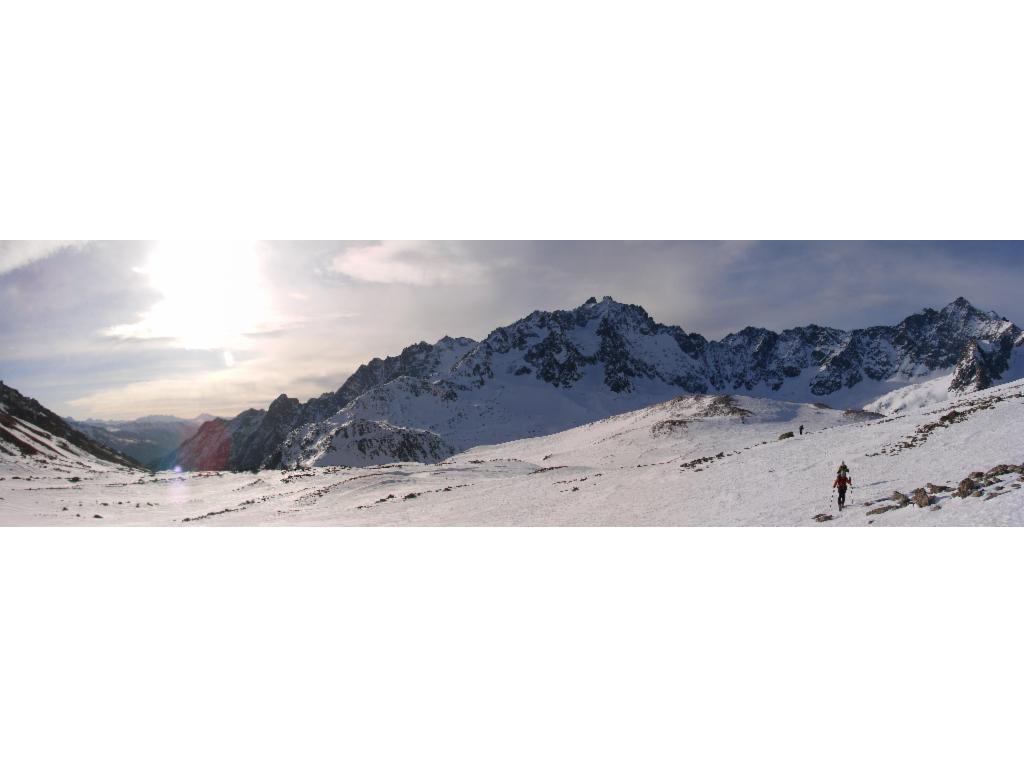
(256, 438)
(552, 371)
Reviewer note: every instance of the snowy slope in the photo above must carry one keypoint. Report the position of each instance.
(699, 460)
(929, 392)
(28, 429)
(981, 366)
(506, 410)
(21, 440)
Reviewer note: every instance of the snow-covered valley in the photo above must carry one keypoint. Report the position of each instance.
(696, 460)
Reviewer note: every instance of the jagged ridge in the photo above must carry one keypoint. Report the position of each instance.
(555, 370)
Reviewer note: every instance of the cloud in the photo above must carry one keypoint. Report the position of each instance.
(15, 254)
(410, 263)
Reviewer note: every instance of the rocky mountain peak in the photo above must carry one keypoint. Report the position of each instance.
(750, 334)
(609, 307)
(961, 310)
(450, 342)
(959, 304)
(283, 404)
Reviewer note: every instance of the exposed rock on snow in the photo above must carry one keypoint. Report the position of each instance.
(882, 510)
(901, 499)
(360, 443)
(922, 498)
(966, 488)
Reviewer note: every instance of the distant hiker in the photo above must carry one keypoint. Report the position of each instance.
(844, 470)
(842, 483)
(801, 429)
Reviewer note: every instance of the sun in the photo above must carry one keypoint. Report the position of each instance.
(212, 295)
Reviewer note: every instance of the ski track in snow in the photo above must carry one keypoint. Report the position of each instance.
(667, 465)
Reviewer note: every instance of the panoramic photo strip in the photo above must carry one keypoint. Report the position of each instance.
(511, 383)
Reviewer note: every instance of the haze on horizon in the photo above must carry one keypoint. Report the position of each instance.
(123, 329)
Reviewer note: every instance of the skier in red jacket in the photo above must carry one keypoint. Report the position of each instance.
(843, 482)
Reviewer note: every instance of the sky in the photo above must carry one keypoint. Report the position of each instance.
(123, 329)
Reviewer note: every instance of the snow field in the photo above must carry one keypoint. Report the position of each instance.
(695, 460)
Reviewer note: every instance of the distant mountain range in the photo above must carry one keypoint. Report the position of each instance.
(552, 371)
(147, 440)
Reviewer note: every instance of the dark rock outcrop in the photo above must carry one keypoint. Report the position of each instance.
(922, 498)
(966, 488)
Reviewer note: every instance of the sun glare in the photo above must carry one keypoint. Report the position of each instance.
(212, 295)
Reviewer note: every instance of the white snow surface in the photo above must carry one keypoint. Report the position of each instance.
(693, 460)
(930, 392)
